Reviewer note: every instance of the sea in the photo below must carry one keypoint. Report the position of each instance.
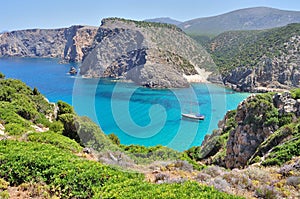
(137, 115)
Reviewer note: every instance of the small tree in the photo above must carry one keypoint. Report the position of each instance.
(35, 91)
(2, 76)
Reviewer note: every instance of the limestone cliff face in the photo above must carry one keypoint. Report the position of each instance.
(150, 54)
(66, 43)
(253, 130)
(282, 73)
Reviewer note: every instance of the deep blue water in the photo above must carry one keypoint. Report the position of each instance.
(137, 115)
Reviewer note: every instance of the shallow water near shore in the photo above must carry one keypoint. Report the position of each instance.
(135, 114)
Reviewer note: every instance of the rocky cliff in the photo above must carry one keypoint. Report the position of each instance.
(150, 54)
(264, 129)
(259, 60)
(68, 44)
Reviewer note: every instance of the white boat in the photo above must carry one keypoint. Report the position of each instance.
(193, 116)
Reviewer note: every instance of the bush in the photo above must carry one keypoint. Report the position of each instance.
(70, 129)
(266, 192)
(17, 98)
(4, 195)
(15, 129)
(283, 153)
(55, 139)
(114, 138)
(134, 189)
(286, 119)
(3, 184)
(295, 93)
(56, 127)
(144, 155)
(2, 76)
(64, 108)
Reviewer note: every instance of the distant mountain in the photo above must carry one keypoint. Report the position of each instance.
(164, 20)
(257, 18)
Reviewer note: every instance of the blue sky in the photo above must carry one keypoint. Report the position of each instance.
(24, 14)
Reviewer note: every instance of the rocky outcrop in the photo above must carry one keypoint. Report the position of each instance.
(256, 118)
(254, 129)
(280, 73)
(68, 44)
(255, 61)
(150, 54)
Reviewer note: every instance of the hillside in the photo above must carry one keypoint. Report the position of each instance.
(42, 154)
(150, 54)
(254, 60)
(167, 20)
(262, 131)
(68, 44)
(245, 19)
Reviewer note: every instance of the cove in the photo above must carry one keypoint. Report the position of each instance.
(135, 114)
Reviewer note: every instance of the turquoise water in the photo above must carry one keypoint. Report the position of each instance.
(137, 115)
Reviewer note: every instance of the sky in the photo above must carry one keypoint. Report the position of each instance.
(26, 14)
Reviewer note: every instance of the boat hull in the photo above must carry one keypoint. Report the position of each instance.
(192, 116)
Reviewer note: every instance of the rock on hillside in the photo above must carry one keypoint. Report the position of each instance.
(65, 43)
(150, 54)
(245, 19)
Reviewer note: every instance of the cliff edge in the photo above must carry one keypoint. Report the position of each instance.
(150, 54)
(68, 44)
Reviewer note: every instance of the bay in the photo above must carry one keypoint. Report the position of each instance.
(135, 114)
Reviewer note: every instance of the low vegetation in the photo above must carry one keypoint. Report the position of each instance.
(246, 48)
(41, 154)
(144, 24)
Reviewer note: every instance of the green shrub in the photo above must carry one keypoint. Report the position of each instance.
(286, 119)
(64, 108)
(194, 152)
(283, 153)
(15, 129)
(114, 138)
(3, 184)
(191, 161)
(2, 76)
(17, 98)
(70, 129)
(4, 194)
(295, 93)
(56, 127)
(144, 155)
(137, 189)
(92, 136)
(41, 119)
(35, 91)
(55, 139)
